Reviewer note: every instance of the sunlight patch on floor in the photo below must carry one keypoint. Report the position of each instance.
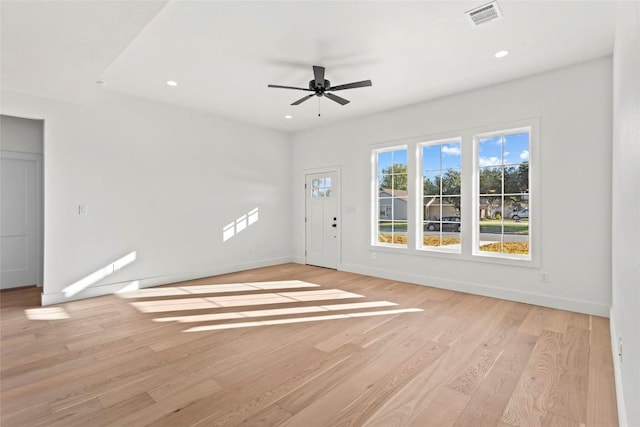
(241, 300)
(215, 308)
(273, 312)
(299, 320)
(47, 313)
(214, 289)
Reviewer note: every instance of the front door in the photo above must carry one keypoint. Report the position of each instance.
(19, 254)
(322, 221)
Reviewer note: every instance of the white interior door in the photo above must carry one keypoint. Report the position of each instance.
(322, 221)
(19, 255)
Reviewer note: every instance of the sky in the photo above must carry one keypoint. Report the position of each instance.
(510, 150)
(494, 151)
(387, 158)
(441, 156)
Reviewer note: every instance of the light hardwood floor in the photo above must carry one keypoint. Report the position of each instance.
(295, 345)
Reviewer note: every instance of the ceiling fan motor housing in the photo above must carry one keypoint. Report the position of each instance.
(319, 89)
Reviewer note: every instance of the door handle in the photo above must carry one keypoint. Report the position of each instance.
(334, 225)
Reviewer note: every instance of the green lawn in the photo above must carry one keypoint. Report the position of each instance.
(398, 226)
(492, 226)
(510, 226)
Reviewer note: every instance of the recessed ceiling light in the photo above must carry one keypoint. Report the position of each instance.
(172, 83)
(102, 83)
(501, 54)
(288, 116)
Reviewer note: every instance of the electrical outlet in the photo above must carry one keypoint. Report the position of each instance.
(83, 210)
(373, 255)
(545, 277)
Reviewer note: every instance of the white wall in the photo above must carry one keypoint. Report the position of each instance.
(625, 312)
(158, 181)
(20, 135)
(574, 109)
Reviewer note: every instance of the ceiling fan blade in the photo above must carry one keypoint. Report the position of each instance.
(304, 98)
(290, 87)
(336, 98)
(318, 74)
(363, 83)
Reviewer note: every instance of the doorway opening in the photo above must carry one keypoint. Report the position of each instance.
(22, 216)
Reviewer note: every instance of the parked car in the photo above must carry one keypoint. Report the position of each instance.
(449, 223)
(517, 215)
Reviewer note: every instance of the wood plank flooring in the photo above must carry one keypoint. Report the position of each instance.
(296, 345)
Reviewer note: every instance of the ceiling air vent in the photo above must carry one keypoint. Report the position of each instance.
(485, 13)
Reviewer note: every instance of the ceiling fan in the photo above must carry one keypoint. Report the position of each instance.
(321, 87)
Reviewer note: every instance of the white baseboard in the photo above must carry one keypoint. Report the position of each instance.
(298, 260)
(570, 304)
(617, 370)
(112, 288)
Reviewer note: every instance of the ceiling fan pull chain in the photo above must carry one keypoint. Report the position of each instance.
(318, 106)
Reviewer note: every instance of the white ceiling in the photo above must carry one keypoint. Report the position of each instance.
(223, 54)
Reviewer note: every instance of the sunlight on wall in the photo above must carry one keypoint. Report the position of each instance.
(235, 227)
(300, 320)
(98, 275)
(47, 313)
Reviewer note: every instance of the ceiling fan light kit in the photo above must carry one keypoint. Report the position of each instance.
(322, 87)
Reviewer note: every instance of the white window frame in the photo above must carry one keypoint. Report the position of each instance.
(420, 195)
(375, 211)
(532, 259)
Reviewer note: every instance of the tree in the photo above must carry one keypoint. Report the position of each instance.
(394, 177)
(432, 187)
(516, 180)
(491, 180)
(447, 184)
(451, 182)
(523, 177)
(516, 183)
(510, 181)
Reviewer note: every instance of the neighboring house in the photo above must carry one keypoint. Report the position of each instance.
(393, 204)
(490, 210)
(432, 209)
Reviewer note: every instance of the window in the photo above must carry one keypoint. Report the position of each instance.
(321, 187)
(468, 195)
(502, 198)
(391, 196)
(441, 197)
